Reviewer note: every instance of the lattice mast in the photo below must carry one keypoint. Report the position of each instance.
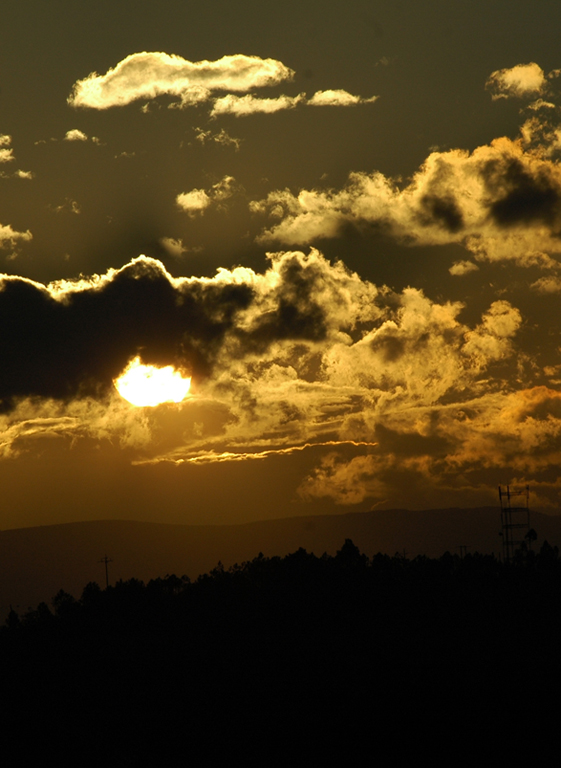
(515, 518)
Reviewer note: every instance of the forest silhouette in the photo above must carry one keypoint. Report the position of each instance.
(298, 660)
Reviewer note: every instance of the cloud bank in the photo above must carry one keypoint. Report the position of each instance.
(394, 389)
(501, 201)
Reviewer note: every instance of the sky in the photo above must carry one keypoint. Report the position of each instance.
(340, 221)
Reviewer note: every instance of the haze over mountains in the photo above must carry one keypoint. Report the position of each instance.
(36, 562)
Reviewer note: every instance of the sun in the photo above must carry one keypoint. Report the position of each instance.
(147, 385)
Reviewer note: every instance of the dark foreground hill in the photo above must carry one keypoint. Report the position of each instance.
(36, 562)
(294, 661)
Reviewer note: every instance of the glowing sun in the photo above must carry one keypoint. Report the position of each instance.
(148, 385)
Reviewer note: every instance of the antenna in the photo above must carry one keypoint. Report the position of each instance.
(515, 518)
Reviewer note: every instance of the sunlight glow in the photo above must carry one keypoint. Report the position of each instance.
(147, 385)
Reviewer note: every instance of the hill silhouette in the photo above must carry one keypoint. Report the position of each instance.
(36, 562)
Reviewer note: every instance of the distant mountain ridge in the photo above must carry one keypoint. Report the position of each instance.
(36, 562)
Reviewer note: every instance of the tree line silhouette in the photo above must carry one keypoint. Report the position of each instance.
(290, 661)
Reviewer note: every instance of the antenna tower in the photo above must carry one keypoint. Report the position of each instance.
(515, 518)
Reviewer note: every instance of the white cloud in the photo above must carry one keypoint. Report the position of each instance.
(197, 201)
(519, 81)
(337, 98)
(194, 201)
(75, 135)
(491, 339)
(250, 105)
(9, 237)
(150, 74)
(463, 268)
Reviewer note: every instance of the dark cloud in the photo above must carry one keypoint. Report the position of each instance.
(411, 443)
(69, 340)
(444, 211)
(390, 344)
(296, 314)
(522, 194)
(75, 342)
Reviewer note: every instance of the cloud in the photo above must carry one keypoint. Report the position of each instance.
(519, 81)
(193, 202)
(549, 284)
(212, 457)
(10, 237)
(346, 482)
(75, 135)
(197, 201)
(6, 152)
(69, 205)
(148, 75)
(222, 137)
(174, 246)
(395, 391)
(463, 268)
(499, 201)
(78, 336)
(250, 105)
(338, 98)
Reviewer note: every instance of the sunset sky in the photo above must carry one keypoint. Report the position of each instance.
(342, 221)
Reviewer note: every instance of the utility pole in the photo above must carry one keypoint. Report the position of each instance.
(106, 560)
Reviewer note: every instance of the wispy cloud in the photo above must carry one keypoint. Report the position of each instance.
(221, 137)
(214, 457)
